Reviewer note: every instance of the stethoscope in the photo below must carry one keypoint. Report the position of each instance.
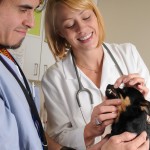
(83, 89)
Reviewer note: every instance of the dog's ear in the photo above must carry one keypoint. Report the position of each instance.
(145, 106)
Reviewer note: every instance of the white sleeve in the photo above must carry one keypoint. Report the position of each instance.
(141, 68)
(59, 126)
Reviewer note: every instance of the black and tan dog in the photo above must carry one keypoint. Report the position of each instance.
(133, 113)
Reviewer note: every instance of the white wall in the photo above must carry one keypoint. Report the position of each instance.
(128, 21)
(95, 1)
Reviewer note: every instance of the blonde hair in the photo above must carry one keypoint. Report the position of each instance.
(57, 44)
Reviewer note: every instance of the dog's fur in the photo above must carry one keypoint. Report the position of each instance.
(133, 113)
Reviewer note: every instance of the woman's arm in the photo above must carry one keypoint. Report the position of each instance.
(52, 144)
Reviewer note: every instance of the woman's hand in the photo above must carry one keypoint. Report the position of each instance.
(124, 141)
(104, 113)
(133, 80)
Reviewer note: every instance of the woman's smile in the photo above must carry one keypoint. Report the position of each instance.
(86, 38)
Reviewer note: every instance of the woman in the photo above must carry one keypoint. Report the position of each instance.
(75, 34)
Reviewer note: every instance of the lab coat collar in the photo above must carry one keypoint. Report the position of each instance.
(108, 64)
(68, 67)
(70, 73)
(107, 76)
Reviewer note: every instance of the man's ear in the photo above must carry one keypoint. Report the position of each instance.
(145, 106)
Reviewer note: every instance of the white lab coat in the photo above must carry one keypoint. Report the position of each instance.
(65, 122)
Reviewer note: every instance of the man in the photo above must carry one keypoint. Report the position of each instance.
(20, 124)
